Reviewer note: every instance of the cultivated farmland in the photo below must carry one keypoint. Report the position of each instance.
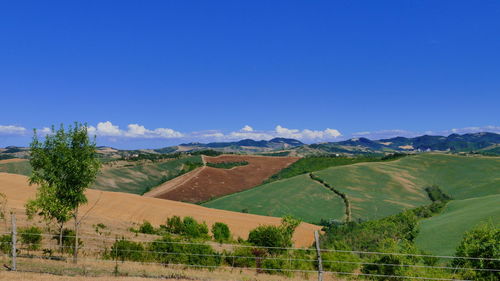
(298, 196)
(209, 182)
(120, 210)
(376, 189)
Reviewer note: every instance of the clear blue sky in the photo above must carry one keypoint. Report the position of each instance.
(205, 69)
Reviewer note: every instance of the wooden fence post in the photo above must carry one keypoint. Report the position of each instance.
(318, 251)
(14, 241)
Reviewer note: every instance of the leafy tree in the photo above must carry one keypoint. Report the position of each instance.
(65, 161)
(50, 208)
(481, 242)
(221, 232)
(31, 237)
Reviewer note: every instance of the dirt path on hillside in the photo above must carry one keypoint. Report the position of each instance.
(347, 204)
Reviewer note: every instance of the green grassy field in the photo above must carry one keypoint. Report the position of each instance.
(298, 196)
(22, 168)
(441, 234)
(376, 190)
(138, 179)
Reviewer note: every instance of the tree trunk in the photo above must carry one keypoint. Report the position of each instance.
(75, 249)
(61, 248)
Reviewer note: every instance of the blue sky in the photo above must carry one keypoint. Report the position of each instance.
(155, 73)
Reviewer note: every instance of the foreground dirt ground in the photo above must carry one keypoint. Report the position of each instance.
(119, 211)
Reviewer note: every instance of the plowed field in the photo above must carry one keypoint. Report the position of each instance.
(207, 183)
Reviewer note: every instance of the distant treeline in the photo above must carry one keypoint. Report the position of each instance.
(227, 165)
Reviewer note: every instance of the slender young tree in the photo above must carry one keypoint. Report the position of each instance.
(67, 162)
(50, 208)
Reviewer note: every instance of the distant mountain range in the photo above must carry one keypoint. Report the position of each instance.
(485, 143)
(474, 142)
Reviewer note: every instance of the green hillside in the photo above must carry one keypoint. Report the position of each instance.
(441, 234)
(21, 167)
(374, 190)
(140, 178)
(298, 196)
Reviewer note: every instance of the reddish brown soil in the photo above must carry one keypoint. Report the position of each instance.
(209, 182)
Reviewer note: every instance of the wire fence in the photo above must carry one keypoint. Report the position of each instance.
(46, 255)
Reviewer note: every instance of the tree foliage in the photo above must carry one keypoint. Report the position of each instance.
(274, 236)
(481, 242)
(221, 232)
(65, 161)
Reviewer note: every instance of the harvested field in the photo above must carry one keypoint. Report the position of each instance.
(120, 211)
(208, 183)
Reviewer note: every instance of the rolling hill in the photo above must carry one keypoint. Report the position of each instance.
(120, 210)
(379, 189)
(442, 234)
(123, 176)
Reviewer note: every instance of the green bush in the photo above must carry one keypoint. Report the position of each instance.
(221, 232)
(274, 236)
(194, 229)
(175, 225)
(127, 250)
(68, 240)
(340, 261)
(147, 228)
(170, 250)
(187, 227)
(240, 257)
(386, 264)
(481, 242)
(6, 243)
(31, 237)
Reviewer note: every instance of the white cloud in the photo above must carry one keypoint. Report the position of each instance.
(490, 128)
(12, 130)
(248, 132)
(247, 129)
(107, 129)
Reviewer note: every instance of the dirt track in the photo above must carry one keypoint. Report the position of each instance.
(121, 210)
(208, 182)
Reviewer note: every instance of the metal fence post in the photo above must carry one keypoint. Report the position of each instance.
(14, 241)
(318, 251)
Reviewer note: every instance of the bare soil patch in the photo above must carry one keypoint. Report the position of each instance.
(209, 183)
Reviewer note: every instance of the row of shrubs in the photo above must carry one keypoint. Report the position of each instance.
(187, 227)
